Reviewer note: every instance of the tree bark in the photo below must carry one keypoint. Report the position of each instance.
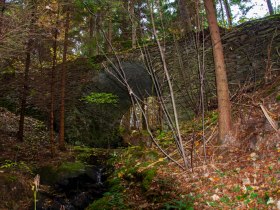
(123, 22)
(98, 29)
(63, 79)
(133, 24)
(110, 35)
(91, 29)
(2, 7)
(224, 107)
(20, 134)
(228, 13)
(184, 15)
(222, 10)
(270, 8)
(53, 71)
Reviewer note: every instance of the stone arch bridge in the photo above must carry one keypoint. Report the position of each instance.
(252, 54)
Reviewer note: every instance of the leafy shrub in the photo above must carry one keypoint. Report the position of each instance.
(8, 164)
(101, 98)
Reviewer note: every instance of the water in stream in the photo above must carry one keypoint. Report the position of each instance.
(74, 192)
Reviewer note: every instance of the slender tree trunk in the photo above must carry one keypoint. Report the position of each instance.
(20, 134)
(110, 35)
(228, 13)
(224, 107)
(54, 62)
(124, 20)
(222, 11)
(98, 27)
(167, 75)
(138, 19)
(63, 79)
(133, 24)
(2, 8)
(184, 15)
(270, 8)
(91, 28)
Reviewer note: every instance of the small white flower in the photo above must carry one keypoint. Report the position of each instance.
(270, 201)
(254, 156)
(215, 197)
(48, 7)
(278, 205)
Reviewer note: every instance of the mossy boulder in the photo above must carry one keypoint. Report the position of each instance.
(60, 174)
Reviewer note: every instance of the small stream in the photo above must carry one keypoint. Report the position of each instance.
(73, 191)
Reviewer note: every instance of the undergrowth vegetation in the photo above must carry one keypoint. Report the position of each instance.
(135, 177)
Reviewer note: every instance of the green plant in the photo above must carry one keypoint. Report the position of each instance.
(226, 200)
(101, 98)
(24, 167)
(13, 178)
(236, 188)
(251, 196)
(214, 117)
(9, 164)
(182, 204)
(212, 203)
(148, 177)
(220, 173)
(278, 98)
(109, 201)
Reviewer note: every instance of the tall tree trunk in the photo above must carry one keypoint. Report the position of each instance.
(184, 15)
(110, 35)
(2, 8)
(138, 18)
(270, 8)
(222, 11)
(123, 22)
(224, 107)
(98, 30)
(228, 13)
(91, 31)
(133, 23)
(63, 79)
(20, 134)
(54, 62)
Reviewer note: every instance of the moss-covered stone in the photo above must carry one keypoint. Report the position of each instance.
(148, 177)
(71, 169)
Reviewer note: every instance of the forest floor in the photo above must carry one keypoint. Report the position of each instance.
(20, 160)
(243, 174)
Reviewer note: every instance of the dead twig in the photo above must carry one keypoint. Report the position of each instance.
(270, 120)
